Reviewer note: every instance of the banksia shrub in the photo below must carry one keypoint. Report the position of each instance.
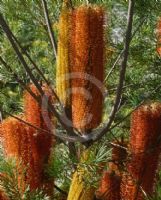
(63, 61)
(145, 150)
(87, 58)
(109, 187)
(79, 188)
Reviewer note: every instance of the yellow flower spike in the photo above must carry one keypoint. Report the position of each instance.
(63, 63)
(79, 190)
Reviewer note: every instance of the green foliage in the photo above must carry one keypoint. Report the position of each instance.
(10, 182)
(60, 166)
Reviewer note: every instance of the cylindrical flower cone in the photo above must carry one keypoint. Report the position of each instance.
(145, 150)
(87, 58)
(40, 141)
(109, 187)
(16, 145)
(119, 155)
(37, 115)
(27, 144)
(79, 189)
(63, 87)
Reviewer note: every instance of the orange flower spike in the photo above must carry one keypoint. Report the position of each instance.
(27, 144)
(144, 149)
(31, 108)
(11, 130)
(109, 187)
(88, 66)
(37, 115)
(40, 142)
(119, 155)
(15, 144)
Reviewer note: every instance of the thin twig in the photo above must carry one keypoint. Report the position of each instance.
(60, 190)
(8, 32)
(25, 122)
(50, 30)
(121, 53)
(71, 4)
(61, 136)
(36, 68)
(141, 103)
(9, 69)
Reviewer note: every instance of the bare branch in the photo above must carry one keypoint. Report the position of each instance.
(61, 136)
(60, 190)
(25, 122)
(114, 65)
(71, 4)
(50, 30)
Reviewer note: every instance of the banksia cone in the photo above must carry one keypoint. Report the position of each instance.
(109, 187)
(159, 37)
(79, 190)
(16, 145)
(63, 61)
(145, 150)
(40, 141)
(119, 155)
(87, 58)
(27, 144)
(13, 135)
(37, 115)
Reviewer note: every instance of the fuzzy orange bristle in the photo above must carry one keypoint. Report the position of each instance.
(119, 155)
(39, 116)
(40, 141)
(31, 107)
(109, 187)
(28, 144)
(16, 144)
(87, 66)
(145, 149)
(12, 132)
